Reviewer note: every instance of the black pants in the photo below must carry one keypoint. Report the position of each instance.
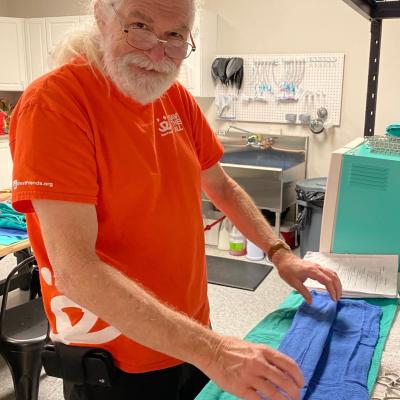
(183, 382)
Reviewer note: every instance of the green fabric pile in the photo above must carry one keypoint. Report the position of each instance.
(9, 218)
(12, 225)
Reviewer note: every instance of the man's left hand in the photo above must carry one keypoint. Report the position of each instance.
(295, 271)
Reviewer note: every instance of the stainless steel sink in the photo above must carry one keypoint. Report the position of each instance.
(268, 158)
(268, 175)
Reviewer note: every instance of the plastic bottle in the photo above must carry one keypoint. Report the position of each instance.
(237, 243)
(224, 232)
(254, 253)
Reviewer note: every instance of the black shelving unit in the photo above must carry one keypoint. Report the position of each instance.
(375, 11)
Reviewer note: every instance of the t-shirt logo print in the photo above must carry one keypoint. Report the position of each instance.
(81, 331)
(170, 124)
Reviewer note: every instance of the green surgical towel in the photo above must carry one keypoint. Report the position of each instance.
(9, 218)
(273, 328)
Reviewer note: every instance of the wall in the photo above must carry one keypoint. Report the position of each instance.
(389, 81)
(289, 26)
(46, 8)
(3, 8)
(11, 97)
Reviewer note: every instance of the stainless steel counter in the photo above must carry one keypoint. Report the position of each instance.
(268, 175)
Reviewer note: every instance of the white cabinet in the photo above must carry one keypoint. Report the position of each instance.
(56, 27)
(12, 50)
(5, 164)
(36, 47)
(41, 37)
(195, 73)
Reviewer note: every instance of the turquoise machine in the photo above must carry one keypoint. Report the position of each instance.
(362, 204)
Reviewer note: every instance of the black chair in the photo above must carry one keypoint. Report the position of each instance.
(23, 333)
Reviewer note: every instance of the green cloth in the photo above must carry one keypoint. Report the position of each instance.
(273, 328)
(7, 240)
(9, 218)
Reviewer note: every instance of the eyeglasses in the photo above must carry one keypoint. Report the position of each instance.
(143, 39)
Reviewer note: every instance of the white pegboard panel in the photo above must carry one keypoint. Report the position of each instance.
(278, 87)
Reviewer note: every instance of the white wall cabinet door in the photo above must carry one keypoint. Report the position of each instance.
(195, 73)
(42, 35)
(36, 47)
(5, 165)
(57, 27)
(12, 50)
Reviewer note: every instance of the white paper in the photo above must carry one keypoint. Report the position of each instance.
(361, 275)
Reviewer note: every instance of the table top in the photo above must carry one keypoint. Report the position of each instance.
(5, 194)
(12, 248)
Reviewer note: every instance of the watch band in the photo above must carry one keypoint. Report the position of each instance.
(279, 244)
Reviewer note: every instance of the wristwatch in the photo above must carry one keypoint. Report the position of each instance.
(279, 244)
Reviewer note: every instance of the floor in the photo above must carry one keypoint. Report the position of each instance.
(233, 312)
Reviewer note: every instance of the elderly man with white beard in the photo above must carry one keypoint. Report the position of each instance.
(110, 157)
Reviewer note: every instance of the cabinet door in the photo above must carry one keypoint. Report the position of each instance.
(36, 47)
(6, 165)
(12, 50)
(56, 28)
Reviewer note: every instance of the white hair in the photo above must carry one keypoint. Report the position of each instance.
(83, 41)
(86, 41)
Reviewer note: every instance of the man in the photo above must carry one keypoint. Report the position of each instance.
(110, 157)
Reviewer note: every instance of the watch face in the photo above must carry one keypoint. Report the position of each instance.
(279, 244)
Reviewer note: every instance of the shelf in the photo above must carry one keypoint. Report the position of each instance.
(372, 9)
(387, 9)
(375, 11)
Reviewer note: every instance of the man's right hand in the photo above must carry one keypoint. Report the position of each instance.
(253, 371)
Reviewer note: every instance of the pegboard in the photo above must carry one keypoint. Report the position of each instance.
(284, 88)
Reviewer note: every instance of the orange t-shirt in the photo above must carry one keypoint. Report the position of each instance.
(75, 137)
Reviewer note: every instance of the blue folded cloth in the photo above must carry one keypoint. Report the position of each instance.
(306, 338)
(14, 233)
(333, 344)
(342, 371)
(10, 236)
